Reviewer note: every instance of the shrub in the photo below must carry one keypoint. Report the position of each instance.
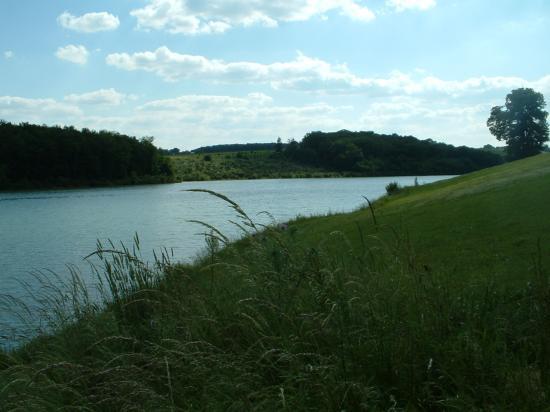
(392, 188)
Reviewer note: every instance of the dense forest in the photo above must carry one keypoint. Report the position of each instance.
(374, 154)
(40, 156)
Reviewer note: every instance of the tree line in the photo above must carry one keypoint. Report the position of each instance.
(237, 147)
(373, 154)
(44, 156)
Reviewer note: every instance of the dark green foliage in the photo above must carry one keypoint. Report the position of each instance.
(41, 156)
(521, 123)
(172, 152)
(372, 154)
(222, 148)
(279, 146)
(393, 187)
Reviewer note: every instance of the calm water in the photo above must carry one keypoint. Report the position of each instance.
(50, 229)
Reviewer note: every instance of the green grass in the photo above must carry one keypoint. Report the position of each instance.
(242, 165)
(486, 223)
(443, 304)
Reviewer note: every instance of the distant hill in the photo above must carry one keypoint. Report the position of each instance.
(375, 154)
(224, 148)
(34, 156)
(342, 153)
(255, 164)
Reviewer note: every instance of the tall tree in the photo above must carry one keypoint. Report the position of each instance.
(521, 123)
(279, 145)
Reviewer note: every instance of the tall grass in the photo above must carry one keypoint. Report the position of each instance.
(267, 323)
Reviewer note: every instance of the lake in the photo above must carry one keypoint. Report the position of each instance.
(47, 230)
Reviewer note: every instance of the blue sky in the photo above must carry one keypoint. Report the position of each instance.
(193, 72)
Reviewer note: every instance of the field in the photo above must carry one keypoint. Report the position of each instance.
(435, 298)
(241, 165)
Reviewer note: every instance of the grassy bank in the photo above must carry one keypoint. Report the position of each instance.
(437, 298)
(261, 164)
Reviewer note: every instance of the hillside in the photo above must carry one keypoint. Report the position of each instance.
(437, 299)
(375, 154)
(486, 223)
(341, 153)
(237, 147)
(243, 165)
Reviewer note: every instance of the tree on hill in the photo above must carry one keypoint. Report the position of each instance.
(521, 123)
(369, 153)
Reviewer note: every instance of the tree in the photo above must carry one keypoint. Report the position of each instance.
(521, 123)
(279, 145)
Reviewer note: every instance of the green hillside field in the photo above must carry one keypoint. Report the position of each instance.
(257, 164)
(435, 298)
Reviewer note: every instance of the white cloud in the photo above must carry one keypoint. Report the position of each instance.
(456, 123)
(309, 74)
(216, 16)
(190, 121)
(89, 22)
(8, 54)
(186, 121)
(402, 5)
(21, 109)
(109, 97)
(173, 66)
(72, 53)
(219, 119)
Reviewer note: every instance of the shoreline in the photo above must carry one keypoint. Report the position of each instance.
(99, 185)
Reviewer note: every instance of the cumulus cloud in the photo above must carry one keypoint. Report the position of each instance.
(21, 109)
(89, 22)
(186, 121)
(74, 54)
(216, 16)
(227, 119)
(8, 54)
(173, 66)
(109, 97)
(189, 121)
(308, 74)
(229, 109)
(458, 123)
(402, 5)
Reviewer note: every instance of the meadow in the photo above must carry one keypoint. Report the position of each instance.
(434, 298)
(257, 164)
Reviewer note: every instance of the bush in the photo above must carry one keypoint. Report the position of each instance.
(393, 188)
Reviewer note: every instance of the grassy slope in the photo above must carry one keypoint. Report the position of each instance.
(482, 224)
(439, 306)
(246, 165)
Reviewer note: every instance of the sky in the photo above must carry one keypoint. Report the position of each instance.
(192, 72)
